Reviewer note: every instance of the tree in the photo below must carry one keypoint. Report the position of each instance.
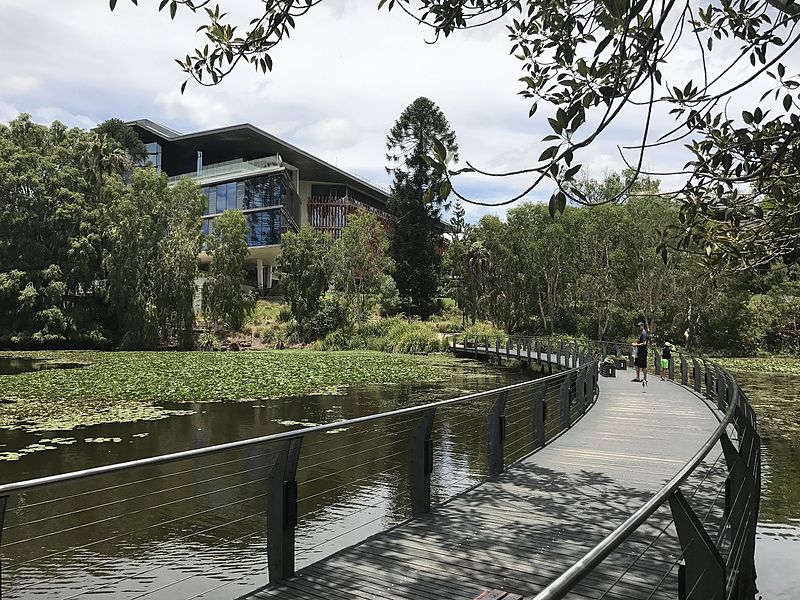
(415, 203)
(51, 238)
(182, 241)
(126, 137)
(359, 263)
(458, 226)
(151, 263)
(224, 300)
(591, 62)
(304, 277)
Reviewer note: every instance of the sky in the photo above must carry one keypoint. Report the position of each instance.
(338, 85)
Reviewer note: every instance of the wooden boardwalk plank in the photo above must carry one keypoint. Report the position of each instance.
(515, 534)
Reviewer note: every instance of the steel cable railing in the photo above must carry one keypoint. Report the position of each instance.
(703, 570)
(206, 518)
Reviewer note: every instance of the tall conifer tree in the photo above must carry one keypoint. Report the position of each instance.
(416, 225)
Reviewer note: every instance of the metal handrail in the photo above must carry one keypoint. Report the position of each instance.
(567, 580)
(23, 486)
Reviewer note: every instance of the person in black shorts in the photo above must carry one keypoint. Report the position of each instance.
(641, 354)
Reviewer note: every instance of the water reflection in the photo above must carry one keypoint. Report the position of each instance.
(13, 366)
(776, 401)
(197, 528)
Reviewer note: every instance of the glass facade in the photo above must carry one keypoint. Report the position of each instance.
(259, 197)
(154, 151)
(265, 227)
(259, 192)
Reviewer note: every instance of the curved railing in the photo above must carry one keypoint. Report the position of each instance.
(224, 513)
(716, 563)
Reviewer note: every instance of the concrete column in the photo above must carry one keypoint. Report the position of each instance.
(260, 273)
(269, 276)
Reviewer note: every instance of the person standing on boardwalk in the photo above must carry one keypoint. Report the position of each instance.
(666, 354)
(641, 355)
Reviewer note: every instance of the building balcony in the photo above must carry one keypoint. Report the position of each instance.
(232, 169)
(329, 214)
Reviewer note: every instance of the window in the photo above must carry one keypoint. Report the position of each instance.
(230, 194)
(222, 198)
(154, 153)
(265, 228)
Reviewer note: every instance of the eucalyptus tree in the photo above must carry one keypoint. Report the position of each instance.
(151, 263)
(589, 63)
(225, 302)
(415, 203)
(177, 268)
(304, 273)
(359, 262)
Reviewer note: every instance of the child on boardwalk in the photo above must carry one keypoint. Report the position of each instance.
(665, 356)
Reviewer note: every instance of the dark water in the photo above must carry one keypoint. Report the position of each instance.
(12, 366)
(196, 528)
(776, 400)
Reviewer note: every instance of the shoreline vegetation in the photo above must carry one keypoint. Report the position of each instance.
(785, 365)
(131, 386)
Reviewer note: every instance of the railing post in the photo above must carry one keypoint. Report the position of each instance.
(3, 505)
(722, 389)
(497, 434)
(475, 347)
(696, 374)
(703, 571)
(566, 422)
(741, 494)
(708, 379)
(672, 367)
(656, 362)
(580, 390)
(519, 349)
(529, 350)
(539, 416)
(684, 371)
(538, 344)
(421, 464)
(282, 511)
(550, 351)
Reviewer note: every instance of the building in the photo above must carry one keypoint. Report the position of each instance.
(278, 186)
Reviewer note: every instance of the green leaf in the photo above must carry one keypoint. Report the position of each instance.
(548, 153)
(444, 189)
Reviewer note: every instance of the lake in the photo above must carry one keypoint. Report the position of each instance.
(128, 537)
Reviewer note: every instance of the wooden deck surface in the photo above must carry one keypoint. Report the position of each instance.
(521, 531)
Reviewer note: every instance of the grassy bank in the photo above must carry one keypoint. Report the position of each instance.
(128, 386)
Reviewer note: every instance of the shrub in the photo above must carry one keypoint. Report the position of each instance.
(208, 341)
(330, 317)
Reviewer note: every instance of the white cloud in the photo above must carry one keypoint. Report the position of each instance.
(331, 133)
(7, 112)
(199, 108)
(18, 83)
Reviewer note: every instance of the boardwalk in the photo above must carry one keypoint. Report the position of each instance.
(520, 531)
